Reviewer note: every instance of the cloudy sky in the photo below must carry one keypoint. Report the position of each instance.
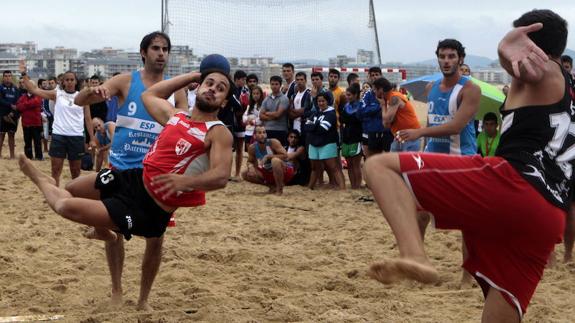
(408, 30)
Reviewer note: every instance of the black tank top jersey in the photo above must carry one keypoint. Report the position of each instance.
(539, 142)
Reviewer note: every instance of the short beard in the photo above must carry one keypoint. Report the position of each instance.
(205, 106)
(452, 72)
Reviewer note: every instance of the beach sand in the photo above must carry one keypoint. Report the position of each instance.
(244, 257)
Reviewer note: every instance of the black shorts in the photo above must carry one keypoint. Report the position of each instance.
(67, 146)
(6, 126)
(130, 206)
(378, 141)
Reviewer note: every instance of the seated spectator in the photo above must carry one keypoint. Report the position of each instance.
(297, 158)
(488, 139)
(251, 117)
(102, 134)
(351, 132)
(322, 135)
(30, 108)
(267, 163)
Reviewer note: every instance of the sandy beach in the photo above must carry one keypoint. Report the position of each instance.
(244, 257)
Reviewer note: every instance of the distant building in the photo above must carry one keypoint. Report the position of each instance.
(251, 61)
(19, 49)
(365, 57)
(341, 61)
(107, 67)
(10, 62)
(492, 75)
(58, 52)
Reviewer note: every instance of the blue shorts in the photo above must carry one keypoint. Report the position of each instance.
(67, 146)
(414, 145)
(323, 152)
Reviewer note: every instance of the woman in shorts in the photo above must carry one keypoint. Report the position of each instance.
(68, 128)
(351, 135)
(251, 116)
(322, 135)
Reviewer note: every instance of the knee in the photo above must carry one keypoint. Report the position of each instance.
(154, 244)
(63, 207)
(276, 162)
(380, 163)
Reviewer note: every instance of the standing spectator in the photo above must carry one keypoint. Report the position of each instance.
(337, 92)
(398, 114)
(352, 78)
(30, 108)
(69, 120)
(47, 116)
(8, 112)
(251, 117)
(317, 88)
(274, 112)
(239, 103)
(488, 139)
(464, 70)
(287, 73)
(351, 135)
(301, 98)
(322, 136)
(252, 81)
(376, 138)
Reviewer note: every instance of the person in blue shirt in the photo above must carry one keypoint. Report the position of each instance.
(135, 132)
(9, 95)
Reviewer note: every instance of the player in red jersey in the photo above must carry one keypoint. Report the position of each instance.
(191, 155)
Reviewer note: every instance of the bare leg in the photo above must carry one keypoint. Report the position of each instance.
(350, 173)
(497, 309)
(80, 210)
(278, 169)
(239, 145)
(150, 267)
(357, 170)
(2, 136)
(57, 164)
(423, 219)
(316, 170)
(11, 144)
(75, 168)
(115, 258)
(333, 167)
(568, 236)
(398, 207)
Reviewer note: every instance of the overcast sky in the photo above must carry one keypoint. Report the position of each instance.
(408, 30)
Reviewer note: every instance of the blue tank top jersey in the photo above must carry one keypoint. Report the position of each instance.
(261, 154)
(136, 130)
(442, 107)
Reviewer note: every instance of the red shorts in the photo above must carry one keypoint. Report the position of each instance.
(509, 228)
(268, 175)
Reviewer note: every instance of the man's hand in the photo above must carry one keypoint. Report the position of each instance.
(169, 184)
(521, 52)
(93, 144)
(100, 91)
(407, 135)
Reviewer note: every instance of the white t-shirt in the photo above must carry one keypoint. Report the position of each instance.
(296, 106)
(68, 117)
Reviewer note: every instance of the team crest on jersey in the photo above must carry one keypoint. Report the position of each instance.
(182, 146)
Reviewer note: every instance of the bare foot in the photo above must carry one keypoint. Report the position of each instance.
(116, 300)
(390, 271)
(32, 172)
(100, 234)
(567, 258)
(144, 306)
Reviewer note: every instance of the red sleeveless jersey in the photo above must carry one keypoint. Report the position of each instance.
(179, 149)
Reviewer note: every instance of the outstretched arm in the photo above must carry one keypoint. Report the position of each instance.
(519, 55)
(35, 90)
(155, 98)
(110, 88)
